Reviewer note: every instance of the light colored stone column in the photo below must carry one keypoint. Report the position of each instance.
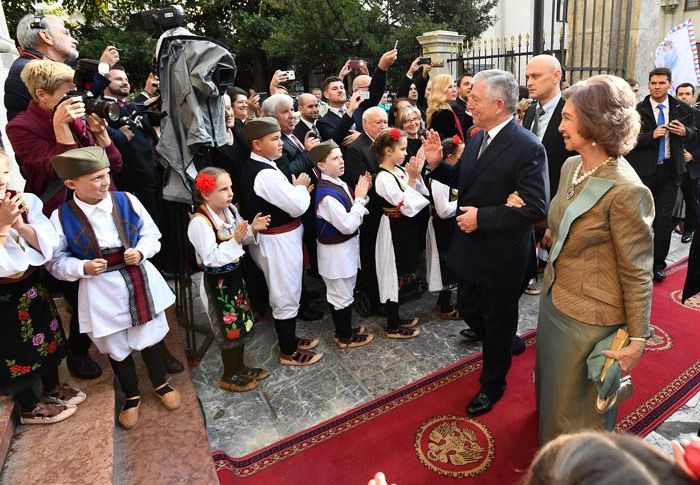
(8, 54)
(441, 45)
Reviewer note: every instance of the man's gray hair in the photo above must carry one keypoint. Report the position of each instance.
(272, 104)
(500, 85)
(27, 37)
(370, 111)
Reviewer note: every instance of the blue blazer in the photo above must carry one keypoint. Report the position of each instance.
(499, 252)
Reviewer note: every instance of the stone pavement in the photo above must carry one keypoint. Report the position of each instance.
(294, 398)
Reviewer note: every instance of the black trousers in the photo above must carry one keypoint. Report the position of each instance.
(368, 272)
(691, 196)
(664, 189)
(78, 343)
(493, 314)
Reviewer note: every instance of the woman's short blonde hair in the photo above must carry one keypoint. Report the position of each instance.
(403, 114)
(45, 75)
(606, 111)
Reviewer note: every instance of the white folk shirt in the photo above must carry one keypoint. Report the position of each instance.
(340, 260)
(412, 202)
(280, 256)
(202, 237)
(103, 300)
(16, 255)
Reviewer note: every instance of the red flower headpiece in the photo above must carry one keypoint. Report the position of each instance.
(395, 134)
(456, 140)
(205, 183)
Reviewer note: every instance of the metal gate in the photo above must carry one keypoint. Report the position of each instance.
(587, 36)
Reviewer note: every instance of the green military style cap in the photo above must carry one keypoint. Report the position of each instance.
(259, 127)
(321, 151)
(79, 161)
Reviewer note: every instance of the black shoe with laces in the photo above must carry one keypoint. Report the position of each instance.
(83, 367)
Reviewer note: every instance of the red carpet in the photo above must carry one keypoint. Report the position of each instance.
(419, 434)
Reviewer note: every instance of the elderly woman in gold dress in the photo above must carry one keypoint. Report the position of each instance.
(599, 275)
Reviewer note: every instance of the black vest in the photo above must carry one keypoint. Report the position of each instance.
(251, 203)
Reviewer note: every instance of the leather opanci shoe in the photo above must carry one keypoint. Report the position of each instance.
(481, 404)
(83, 367)
(659, 275)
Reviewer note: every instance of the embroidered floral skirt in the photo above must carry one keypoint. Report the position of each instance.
(229, 310)
(31, 336)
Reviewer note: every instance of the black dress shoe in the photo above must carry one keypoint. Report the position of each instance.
(470, 335)
(687, 237)
(172, 365)
(659, 275)
(308, 314)
(83, 367)
(481, 404)
(518, 345)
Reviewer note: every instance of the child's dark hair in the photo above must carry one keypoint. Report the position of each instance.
(450, 146)
(387, 139)
(203, 181)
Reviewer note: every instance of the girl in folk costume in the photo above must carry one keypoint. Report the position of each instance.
(105, 240)
(403, 195)
(32, 343)
(442, 228)
(338, 218)
(218, 234)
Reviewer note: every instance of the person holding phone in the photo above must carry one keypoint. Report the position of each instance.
(667, 124)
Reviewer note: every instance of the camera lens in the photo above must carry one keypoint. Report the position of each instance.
(107, 110)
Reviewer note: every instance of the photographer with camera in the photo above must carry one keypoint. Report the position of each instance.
(55, 123)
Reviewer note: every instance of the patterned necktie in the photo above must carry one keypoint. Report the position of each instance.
(484, 144)
(536, 122)
(662, 140)
(342, 111)
(296, 142)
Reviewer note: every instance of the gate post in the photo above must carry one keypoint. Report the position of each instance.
(441, 45)
(538, 28)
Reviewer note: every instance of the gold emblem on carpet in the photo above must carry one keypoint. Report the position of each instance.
(692, 303)
(454, 446)
(660, 341)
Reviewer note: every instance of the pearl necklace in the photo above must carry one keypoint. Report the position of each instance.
(578, 178)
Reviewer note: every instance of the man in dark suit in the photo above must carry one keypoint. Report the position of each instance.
(543, 74)
(658, 157)
(337, 124)
(493, 247)
(358, 160)
(690, 182)
(459, 105)
(307, 105)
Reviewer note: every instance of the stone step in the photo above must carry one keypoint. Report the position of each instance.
(7, 426)
(77, 450)
(165, 446)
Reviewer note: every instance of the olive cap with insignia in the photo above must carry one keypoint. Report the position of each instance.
(79, 161)
(321, 151)
(259, 127)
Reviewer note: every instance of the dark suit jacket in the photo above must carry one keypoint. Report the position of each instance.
(460, 109)
(444, 122)
(376, 90)
(498, 253)
(359, 159)
(333, 127)
(553, 143)
(694, 148)
(293, 160)
(644, 156)
(300, 130)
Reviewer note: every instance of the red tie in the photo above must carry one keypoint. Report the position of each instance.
(296, 141)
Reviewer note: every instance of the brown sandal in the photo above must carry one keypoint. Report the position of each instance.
(48, 413)
(408, 322)
(452, 315)
(171, 400)
(255, 373)
(358, 330)
(129, 417)
(300, 357)
(355, 340)
(402, 332)
(306, 343)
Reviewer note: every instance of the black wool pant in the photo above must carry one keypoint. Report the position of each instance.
(664, 189)
(153, 357)
(492, 313)
(368, 272)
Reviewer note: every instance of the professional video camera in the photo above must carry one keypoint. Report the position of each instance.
(159, 20)
(84, 79)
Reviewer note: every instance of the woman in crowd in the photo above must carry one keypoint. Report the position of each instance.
(32, 343)
(600, 266)
(609, 459)
(234, 154)
(396, 106)
(408, 119)
(440, 116)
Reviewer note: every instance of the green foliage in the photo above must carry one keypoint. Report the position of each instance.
(266, 35)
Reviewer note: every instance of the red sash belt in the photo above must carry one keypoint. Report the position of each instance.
(140, 302)
(288, 227)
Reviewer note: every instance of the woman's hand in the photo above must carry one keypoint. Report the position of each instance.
(546, 241)
(68, 111)
(514, 200)
(629, 356)
(260, 222)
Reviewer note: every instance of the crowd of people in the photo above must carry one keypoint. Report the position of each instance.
(445, 189)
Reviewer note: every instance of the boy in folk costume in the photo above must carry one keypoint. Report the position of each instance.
(279, 252)
(218, 234)
(106, 239)
(338, 218)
